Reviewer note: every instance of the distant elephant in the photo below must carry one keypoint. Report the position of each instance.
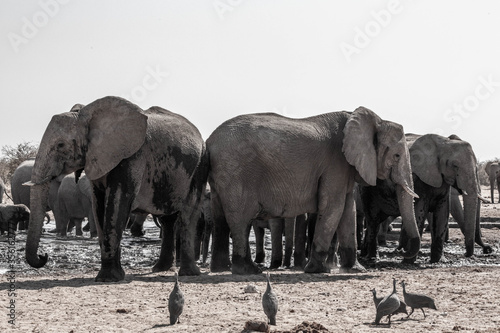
(74, 203)
(11, 215)
(493, 171)
(278, 227)
(437, 164)
(21, 193)
(267, 165)
(137, 161)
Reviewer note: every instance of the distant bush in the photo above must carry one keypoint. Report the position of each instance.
(13, 156)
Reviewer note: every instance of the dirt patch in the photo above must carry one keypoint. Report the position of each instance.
(63, 297)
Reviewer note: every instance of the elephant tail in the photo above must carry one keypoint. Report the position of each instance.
(199, 180)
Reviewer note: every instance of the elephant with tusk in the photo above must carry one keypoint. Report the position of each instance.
(268, 166)
(137, 161)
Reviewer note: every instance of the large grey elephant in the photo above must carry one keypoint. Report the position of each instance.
(11, 215)
(437, 163)
(74, 202)
(21, 193)
(266, 166)
(137, 161)
(493, 171)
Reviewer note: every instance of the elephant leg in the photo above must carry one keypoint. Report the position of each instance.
(207, 232)
(360, 226)
(259, 232)
(78, 226)
(498, 189)
(438, 230)
(187, 223)
(383, 230)
(289, 237)
(332, 260)
(220, 241)
(311, 227)
(347, 238)
(369, 246)
(276, 225)
(200, 226)
(327, 221)
(240, 231)
(93, 229)
(110, 224)
(167, 252)
(299, 254)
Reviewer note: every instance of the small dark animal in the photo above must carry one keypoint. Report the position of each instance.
(175, 302)
(270, 302)
(417, 301)
(388, 305)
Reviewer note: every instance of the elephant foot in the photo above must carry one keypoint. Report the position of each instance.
(356, 268)
(217, 267)
(300, 261)
(435, 258)
(259, 257)
(111, 271)
(244, 266)
(161, 267)
(93, 234)
(275, 264)
(189, 269)
(317, 263)
(136, 231)
(51, 231)
(487, 249)
(287, 263)
(313, 266)
(409, 261)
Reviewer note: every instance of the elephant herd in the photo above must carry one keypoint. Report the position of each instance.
(262, 169)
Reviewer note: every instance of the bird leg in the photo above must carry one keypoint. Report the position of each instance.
(423, 312)
(408, 316)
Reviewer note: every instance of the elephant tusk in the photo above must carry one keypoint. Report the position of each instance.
(464, 192)
(410, 191)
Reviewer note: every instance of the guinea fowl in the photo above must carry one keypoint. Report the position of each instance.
(417, 301)
(270, 302)
(388, 305)
(175, 302)
(376, 301)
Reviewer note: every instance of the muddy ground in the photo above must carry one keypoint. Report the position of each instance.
(63, 297)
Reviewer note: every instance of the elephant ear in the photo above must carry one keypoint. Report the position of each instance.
(487, 167)
(85, 187)
(359, 143)
(425, 161)
(116, 129)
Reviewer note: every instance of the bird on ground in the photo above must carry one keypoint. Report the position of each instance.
(417, 301)
(270, 302)
(376, 300)
(388, 305)
(175, 302)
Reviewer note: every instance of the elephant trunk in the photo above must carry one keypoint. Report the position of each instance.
(409, 229)
(469, 227)
(492, 188)
(38, 202)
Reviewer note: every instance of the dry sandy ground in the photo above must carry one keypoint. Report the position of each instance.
(63, 296)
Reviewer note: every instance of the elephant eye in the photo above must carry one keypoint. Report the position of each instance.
(60, 145)
(397, 157)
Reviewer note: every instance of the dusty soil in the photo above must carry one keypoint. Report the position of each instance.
(63, 297)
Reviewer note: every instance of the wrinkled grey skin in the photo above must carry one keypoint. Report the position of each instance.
(493, 171)
(267, 166)
(11, 215)
(438, 163)
(21, 193)
(74, 202)
(278, 227)
(137, 161)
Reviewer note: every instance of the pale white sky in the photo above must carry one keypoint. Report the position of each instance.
(432, 66)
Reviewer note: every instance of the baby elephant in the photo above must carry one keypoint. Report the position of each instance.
(11, 215)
